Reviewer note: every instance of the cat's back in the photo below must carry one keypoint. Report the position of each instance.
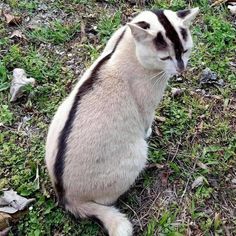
(105, 114)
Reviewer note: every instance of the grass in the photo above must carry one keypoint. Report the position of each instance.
(56, 33)
(195, 138)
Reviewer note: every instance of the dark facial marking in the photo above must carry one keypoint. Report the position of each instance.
(183, 13)
(160, 42)
(184, 33)
(143, 24)
(166, 58)
(171, 34)
(86, 87)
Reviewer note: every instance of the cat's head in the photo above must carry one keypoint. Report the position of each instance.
(163, 40)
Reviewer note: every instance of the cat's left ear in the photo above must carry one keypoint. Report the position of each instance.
(188, 15)
(139, 30)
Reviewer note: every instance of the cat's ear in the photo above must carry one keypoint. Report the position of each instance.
(188, 15)
(139, 30)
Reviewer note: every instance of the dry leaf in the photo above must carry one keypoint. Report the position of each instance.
(83, 33)
(217, 2)
(157, 131)
(12, 20)
(18, 34)
(199, 128)
(5, 231)
(154, 165)
(202, 165)
(19, 81)
(4, 221)
(164, 175)
(190, 113)
(160, 118)
(197, 182)
(11, 202)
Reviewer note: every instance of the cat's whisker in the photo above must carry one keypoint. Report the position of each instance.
(160, 79)
(141, 81)
(154, 76)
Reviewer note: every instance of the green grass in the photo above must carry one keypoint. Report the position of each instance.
(56, 33)
(107, 25)
(197, 131)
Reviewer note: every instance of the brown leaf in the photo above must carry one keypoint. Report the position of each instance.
(190, 113)
(83, 33)
(154, 165)
(202, 165)
(4, 221)
(164, 175)
(199, 127)
(160, 118)
(198, 181)
(12, 20)
(217, 2)
(17, 34)
(5, 231)
(157, 131)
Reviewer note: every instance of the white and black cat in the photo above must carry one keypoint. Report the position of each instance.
(96, 145)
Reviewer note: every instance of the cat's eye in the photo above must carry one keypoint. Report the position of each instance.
(166, 58)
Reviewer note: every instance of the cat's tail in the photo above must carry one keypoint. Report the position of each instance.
(115, 222)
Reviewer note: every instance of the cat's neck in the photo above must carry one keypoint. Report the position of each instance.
(125, 62)
(147, 87)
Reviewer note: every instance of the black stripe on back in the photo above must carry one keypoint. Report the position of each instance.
(171, 33)
(86, 87)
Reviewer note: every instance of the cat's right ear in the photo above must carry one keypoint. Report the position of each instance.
(139, 30)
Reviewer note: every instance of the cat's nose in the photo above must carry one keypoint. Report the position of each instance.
(180, 67)
(180, 70)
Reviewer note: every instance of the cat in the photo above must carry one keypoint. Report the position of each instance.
(96, 145)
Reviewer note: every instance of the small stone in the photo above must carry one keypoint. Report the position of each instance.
(176, 92)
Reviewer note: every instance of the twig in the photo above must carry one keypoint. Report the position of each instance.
(218, 2)
(140, 224)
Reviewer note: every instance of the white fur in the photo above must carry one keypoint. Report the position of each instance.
(106, 149)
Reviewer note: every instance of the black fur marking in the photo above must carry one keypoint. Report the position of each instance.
(160, 42)
(183, 13)
(86, 87)
(184, 33)
(143, 24)
(171, 34)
